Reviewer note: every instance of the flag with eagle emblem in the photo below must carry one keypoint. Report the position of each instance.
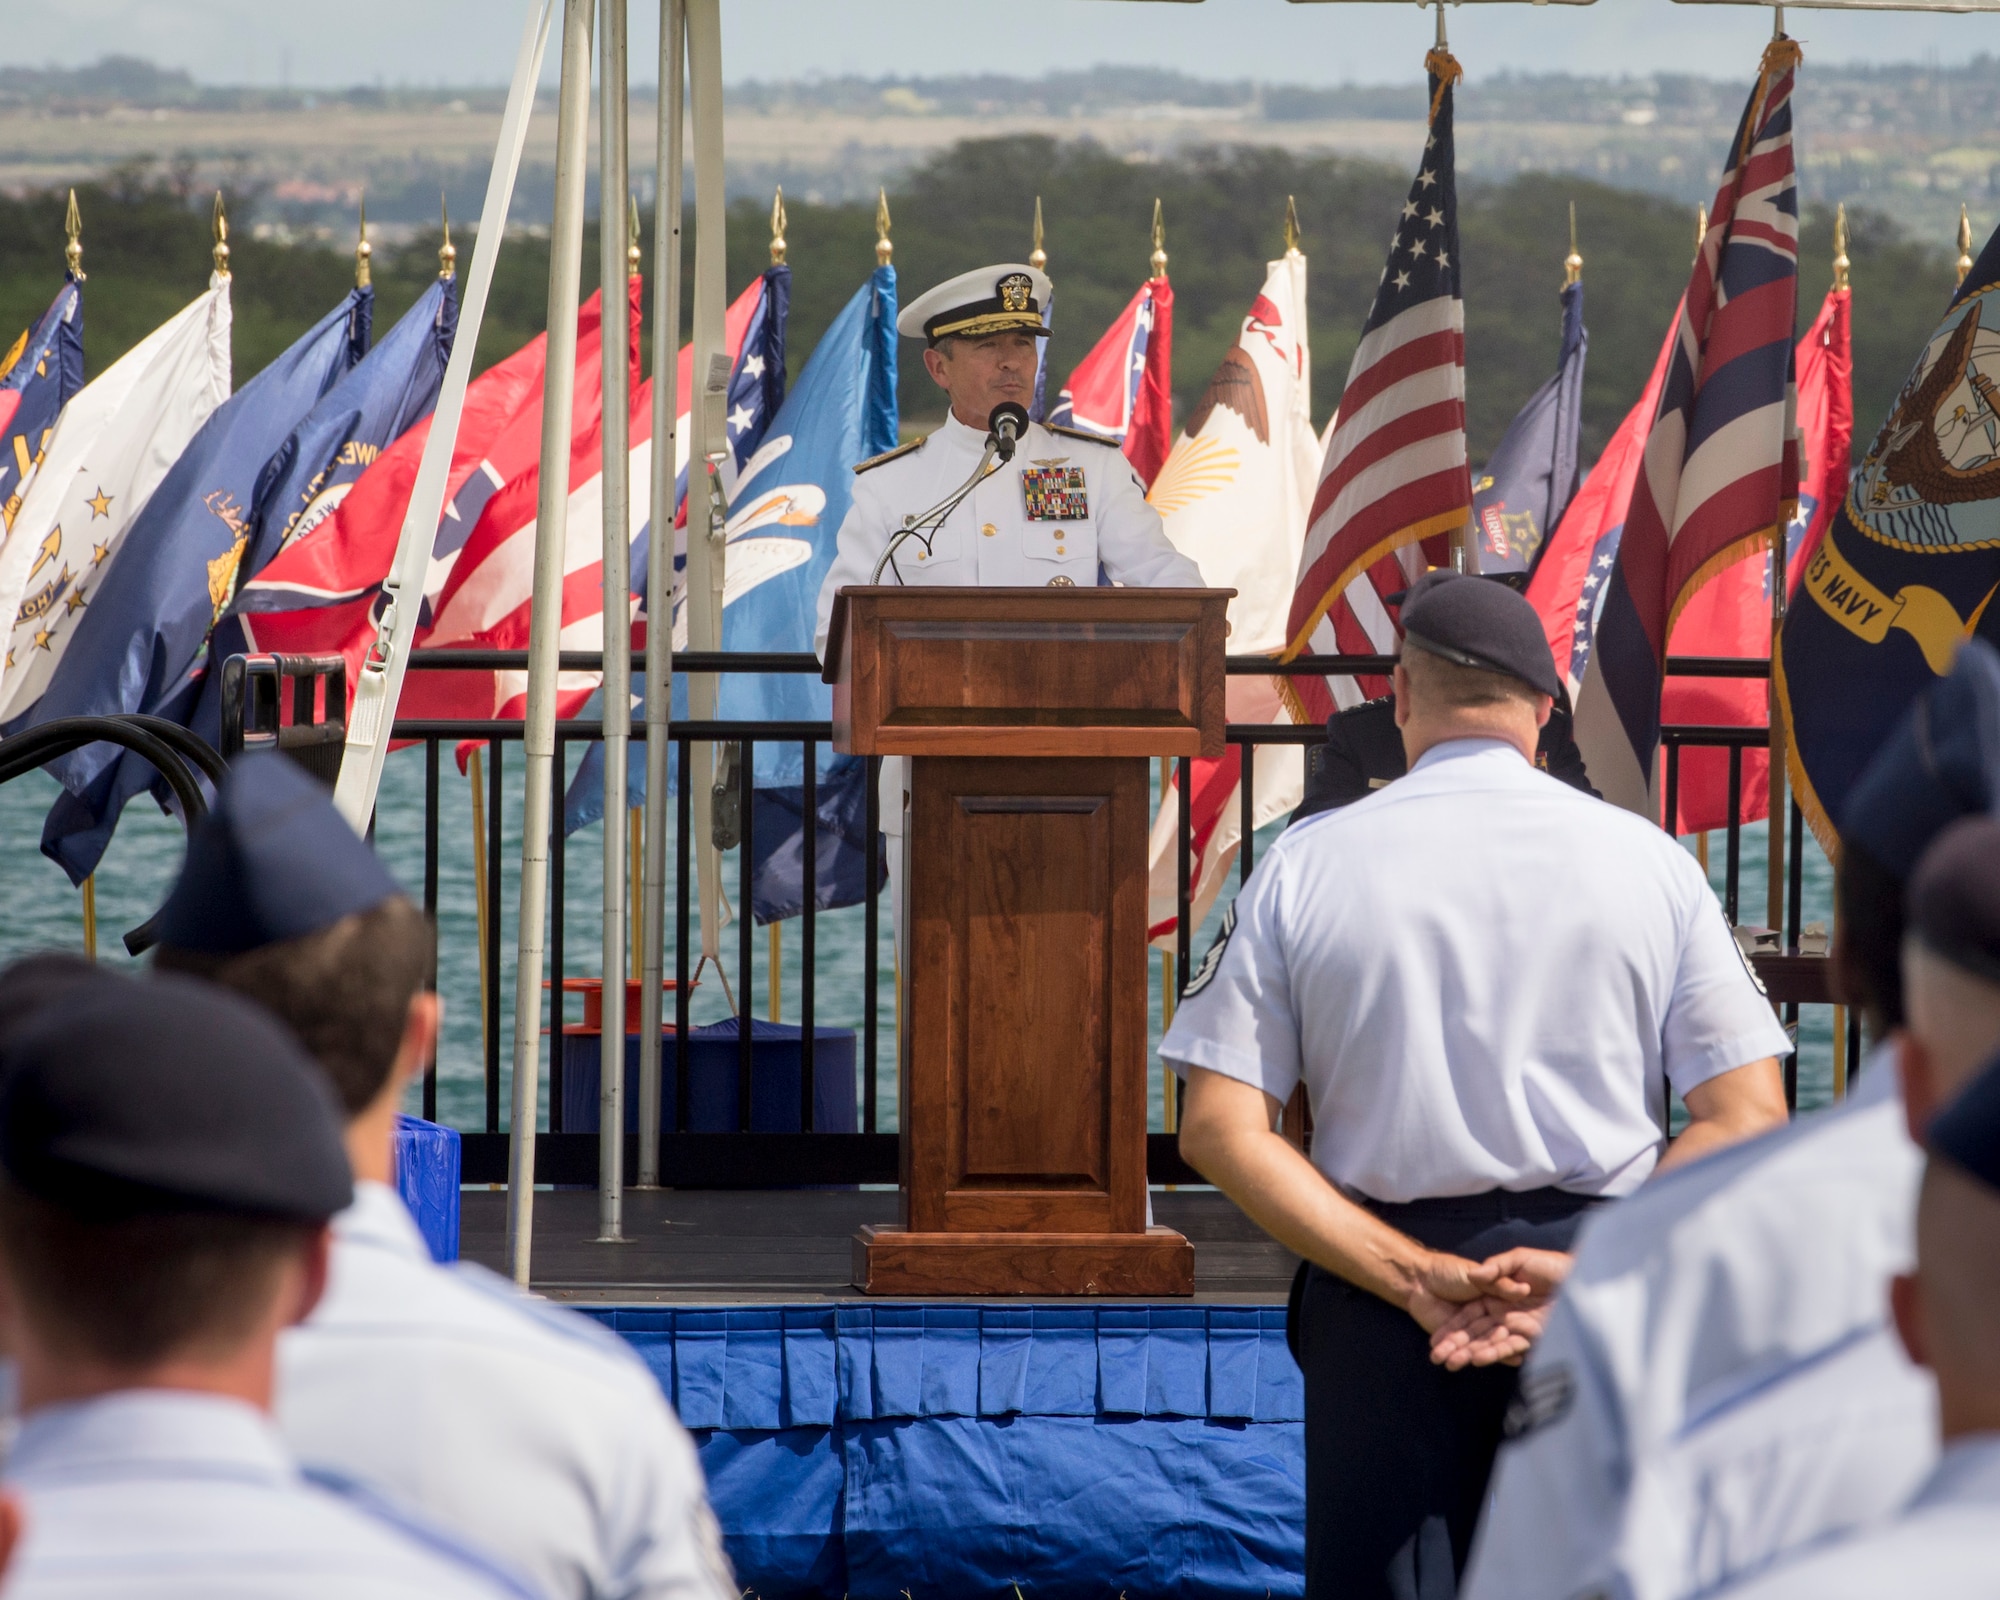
(1233, 495)
(1395, 471)
(1909, 567)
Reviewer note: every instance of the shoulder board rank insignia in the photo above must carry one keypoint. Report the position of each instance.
(890, 455)
(1079, 433)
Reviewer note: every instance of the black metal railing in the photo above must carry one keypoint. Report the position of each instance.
(697, 1160)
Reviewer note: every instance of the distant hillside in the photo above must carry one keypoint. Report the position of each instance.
(146, 250)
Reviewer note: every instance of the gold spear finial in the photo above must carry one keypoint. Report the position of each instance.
(1840, 261)
(73, 250)
(632, 253)
(1038, 258)
(883, 248)
(1159, 262)
(1700, 229)
(219, 226)
(1572, 263)
(1291, 226)
(447, 252)
(363, 250)
(778, 227)
(1964, 242)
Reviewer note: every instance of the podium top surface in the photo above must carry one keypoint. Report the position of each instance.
(935, 670)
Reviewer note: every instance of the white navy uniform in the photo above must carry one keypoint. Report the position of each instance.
(1718, 1384)
(156, 1494)
(1945, 1545)
(519, 1425)
(1486, 980)
(1066, 502)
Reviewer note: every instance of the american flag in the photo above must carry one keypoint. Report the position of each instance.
(1721, 469)
(1395, 471)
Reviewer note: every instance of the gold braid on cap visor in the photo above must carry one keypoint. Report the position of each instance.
(982, 323)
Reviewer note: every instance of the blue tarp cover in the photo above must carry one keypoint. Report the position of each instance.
(958, 1450)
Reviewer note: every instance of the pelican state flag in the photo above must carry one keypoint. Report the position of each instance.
(1909, 565)
(113, 445)
(1124, 389)
(1233, 496)
(1395, 472)
(1720, 473)
(46, 370)
(170, 669)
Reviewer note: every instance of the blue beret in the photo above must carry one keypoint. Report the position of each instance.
(1955, 897)
(1477, 622)
(272, 861)
(1967, 1131)
(124, 1097)
(1941, 763)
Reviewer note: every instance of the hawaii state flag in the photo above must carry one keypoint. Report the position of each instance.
(1124, 389)
(1909, 566)
(1720, 475)
(1233, 495)
(1730, 615)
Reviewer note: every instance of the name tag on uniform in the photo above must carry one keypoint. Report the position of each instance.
(1054, 494)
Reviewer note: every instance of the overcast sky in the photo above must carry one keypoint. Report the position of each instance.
(305, 42)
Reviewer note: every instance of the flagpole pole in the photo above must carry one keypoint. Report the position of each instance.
(709, 442)
(538, 729)
(616, 377)
(660, 569)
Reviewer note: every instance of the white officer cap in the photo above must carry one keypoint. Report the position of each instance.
(974, 304)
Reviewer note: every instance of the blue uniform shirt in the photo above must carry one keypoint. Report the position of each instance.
(1718, 1384)
(155, 1494)
(1484, 977)
(516, 1424)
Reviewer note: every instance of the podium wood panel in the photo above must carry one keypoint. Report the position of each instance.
(1027, 905)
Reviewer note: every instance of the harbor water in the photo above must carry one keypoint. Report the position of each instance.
(45, 912)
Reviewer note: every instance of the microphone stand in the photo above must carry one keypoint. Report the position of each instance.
(933, 519)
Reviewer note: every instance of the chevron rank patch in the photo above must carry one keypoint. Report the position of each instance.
(1054, 494)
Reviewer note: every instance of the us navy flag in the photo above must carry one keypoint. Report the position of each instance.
(1910, 565)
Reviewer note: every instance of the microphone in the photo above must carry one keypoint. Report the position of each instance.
(1005, 426)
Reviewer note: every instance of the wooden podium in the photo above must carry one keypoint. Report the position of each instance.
(1030, 715)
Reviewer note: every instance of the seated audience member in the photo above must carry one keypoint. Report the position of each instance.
(1718, 1383)
(168, 1162)
(543, 1436)
(1945, 1544)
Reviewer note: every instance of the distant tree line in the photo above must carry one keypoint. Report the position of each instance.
(146, 250)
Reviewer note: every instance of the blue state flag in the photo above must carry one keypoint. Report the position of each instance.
(140, 637)
(1533, 472)
(47, 372)
(1909, 567)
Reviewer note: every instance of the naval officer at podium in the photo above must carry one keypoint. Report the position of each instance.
(1067, 511)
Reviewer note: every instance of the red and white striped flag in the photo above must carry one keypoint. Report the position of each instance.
(1395, 472)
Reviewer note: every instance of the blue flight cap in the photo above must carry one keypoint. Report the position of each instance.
(1967, 1132)
(124, 1097)
(1941, 763)
(272, 861)
(1479, 623)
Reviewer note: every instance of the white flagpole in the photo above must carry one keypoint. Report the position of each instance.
(381, 681)
(660, 570)
(538, 732)
(612, 186)
(709, 437)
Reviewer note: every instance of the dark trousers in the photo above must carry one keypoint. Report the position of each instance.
(1398, 1451)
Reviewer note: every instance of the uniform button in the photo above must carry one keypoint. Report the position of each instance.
(989, 530)
(921, 556)
(1059, 550)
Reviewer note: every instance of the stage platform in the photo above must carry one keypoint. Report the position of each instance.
(693, 1247)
